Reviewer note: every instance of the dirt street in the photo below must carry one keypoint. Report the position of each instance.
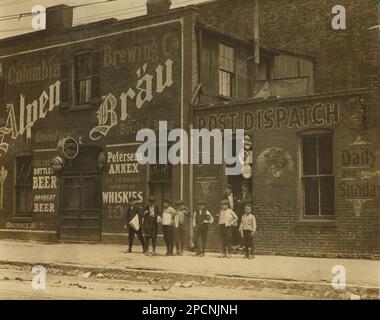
(16, 285)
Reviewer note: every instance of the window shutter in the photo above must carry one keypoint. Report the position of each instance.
(95, 76)
(65, 84)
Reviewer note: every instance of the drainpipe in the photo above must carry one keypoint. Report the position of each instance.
(191, 126)
(256, 39)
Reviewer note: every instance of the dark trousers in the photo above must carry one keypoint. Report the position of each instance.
(249, 246)
(131, 236)
(180, 237)
(147, 243)
(225, 235)
(200, 233)
(168, 238)
(236, 238)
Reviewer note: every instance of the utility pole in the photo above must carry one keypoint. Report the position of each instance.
(256, 37)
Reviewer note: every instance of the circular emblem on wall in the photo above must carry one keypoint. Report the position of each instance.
(101, 161)
(275, 161)
(69, 148)
(58, 163)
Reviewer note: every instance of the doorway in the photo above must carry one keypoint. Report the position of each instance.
(81, 212)
(80, 218)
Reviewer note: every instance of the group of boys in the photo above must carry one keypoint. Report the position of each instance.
(144, 222)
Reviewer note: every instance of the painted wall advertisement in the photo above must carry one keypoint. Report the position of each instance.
(141, 82)
(45, 187)
(359, 177)
(149, 88)
(270, 118)
(124, 177)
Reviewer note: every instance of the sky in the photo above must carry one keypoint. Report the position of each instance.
(120, 9)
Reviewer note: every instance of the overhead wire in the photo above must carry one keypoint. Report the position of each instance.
(81, 20)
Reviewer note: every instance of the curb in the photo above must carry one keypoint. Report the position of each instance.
(319, 290)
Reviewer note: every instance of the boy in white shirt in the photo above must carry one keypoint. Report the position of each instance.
(247, 230)
(179, 226)
(167, 221)
(227, 218)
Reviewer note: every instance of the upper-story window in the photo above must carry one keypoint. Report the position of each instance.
(318, 175)
(87, 68)
(226, 70)
(265, 69)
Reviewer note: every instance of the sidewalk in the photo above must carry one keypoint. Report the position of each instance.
(362, 273)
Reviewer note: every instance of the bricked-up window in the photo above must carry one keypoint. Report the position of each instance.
(226, 70)
(87, 68)
(318, 175)
(24, 186)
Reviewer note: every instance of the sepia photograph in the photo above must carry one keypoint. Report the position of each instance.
(189, 150)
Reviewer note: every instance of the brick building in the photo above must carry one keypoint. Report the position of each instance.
(73, 98)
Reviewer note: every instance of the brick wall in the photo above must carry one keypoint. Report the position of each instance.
(345, 59)
(277, 202)
(63, 122)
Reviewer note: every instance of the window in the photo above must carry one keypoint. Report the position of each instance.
(226, 70)
(87, 77)
(24, 180)
(265, 69)
(317, 175)
(160, 181)
(159, 173)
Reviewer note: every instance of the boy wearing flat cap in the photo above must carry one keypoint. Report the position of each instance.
(151, 218)
(227, 219)
(247, 230)
(134, 223)
(201, 220)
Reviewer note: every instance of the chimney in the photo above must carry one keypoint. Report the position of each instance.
(59, 18)
(158, 6)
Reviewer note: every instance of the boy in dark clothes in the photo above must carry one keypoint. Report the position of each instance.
(134, 223)
(201, 220)
(179, 226)
(151, 216)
